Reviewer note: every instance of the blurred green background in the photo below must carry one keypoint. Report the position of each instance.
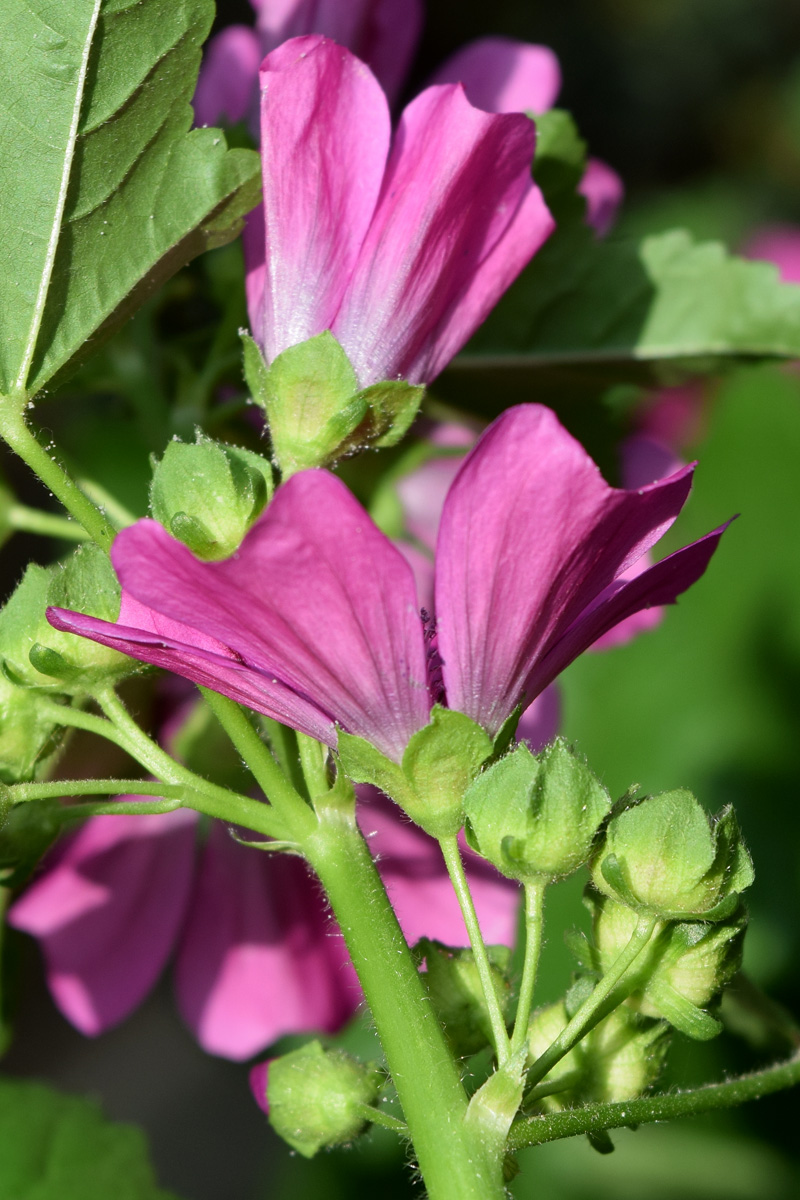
(697, 104)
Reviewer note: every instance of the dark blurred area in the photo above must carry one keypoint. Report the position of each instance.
(696, 103)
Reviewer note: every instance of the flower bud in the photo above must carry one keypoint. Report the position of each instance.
(454, 987)
(536, 814)
(681, 971)
(314, 1097)
(29, 741)
(619, 1060)
(208, 494)
(36, 655)
(315, 408)
(663, 855)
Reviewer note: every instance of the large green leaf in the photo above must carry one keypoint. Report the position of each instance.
(589, 313)
(106, 191)
(56, 1147)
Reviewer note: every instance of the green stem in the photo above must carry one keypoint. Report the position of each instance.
(592, 1010)
(33, 520)
(120, 808)
(534, 905)
(454, 1164)
(270, 778)
(532, 1131)
(16, 433)
(376, 1116)
(313, 756)
(455, 869)
(18, 793)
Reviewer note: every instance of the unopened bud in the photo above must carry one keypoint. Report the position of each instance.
(664, 856)
(536, 814)
(315, 1097)
(454, 987)
(208, 494)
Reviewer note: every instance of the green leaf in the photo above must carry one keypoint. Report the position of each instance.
(106, 190)
(58, 1147)
(588, 314)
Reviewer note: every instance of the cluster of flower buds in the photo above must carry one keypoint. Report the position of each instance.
(316, 1098)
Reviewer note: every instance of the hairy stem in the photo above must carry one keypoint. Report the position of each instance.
(532, 1131)
(534, 904)
(455, 869)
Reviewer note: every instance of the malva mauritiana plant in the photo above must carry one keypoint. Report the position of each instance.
(369, 785)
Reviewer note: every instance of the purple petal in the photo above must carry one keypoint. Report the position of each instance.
(324, 139)
(458, 218)
(411, 866)
(530, 535)
(258, 1079)
(227, 86)
(502, 75)
(108, 913)
(260, 958)
(660, 584)
(541, 720)
(603, 191)
(383, 33)
(317, 606)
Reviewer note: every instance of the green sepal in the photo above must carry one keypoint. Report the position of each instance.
(390, 408)
(29, 741)
(208, 494)
(536, 814)
(362, 763)
(686, 1017)
(315, 1097)
(440, 762)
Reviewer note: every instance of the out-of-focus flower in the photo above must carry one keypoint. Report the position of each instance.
(315, 620)
(499, 74)
(399, 247)
(256, 954)
(778, 244)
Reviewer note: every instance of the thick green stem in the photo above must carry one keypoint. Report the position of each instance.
(532, 1131)
(592, 1010)
(455, 869)
(534, 905)
(16, 433)
(454, 1164)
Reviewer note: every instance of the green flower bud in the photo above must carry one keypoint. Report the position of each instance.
(29, 742)
(454, 986)
(536, 814)
(681, 971)
(36, 655)
(208, 494)
(439, 763)
(314, 406)
(315, 1097)
(619, 1060)
(664, 856)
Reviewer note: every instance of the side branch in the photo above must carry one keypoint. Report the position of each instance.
(592, 1118)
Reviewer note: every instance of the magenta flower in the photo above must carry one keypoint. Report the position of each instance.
(315, 620)
(383, 33)
(256, 955)
(400, 248)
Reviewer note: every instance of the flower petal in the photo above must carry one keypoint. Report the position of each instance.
(660, 584)
(108, 913)
(458, 217)
(530, 535)
(260, 957)
(411, 866)
(317, 605)
(502, 75)
(324, 140)
(228, 82)
(603, 191)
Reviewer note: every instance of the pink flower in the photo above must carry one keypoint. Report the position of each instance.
(399, 247)
(779, 244)
(383, 33)
(315, 620)
(256, 955)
